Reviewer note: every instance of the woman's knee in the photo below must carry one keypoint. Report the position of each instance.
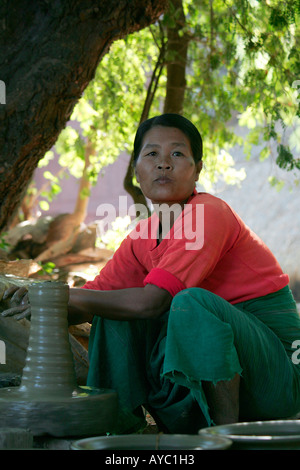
(192, 293)
(197, 297)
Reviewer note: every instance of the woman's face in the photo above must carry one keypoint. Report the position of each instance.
(165, 168)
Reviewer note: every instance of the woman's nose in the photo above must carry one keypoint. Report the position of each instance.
(164, 163)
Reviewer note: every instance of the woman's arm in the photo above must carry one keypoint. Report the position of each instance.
(123, 304)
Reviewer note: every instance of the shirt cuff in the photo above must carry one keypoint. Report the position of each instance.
(165, 280)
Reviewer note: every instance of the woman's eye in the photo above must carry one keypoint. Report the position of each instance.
(151, 154)
(177, 154)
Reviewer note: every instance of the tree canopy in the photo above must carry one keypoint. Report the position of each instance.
(219, 63)
(240, 65)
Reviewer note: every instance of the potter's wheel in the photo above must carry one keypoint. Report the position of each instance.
(85, 412)
(49, 401)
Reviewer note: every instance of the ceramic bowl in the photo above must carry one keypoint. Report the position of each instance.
(153, 442)
(275, 434)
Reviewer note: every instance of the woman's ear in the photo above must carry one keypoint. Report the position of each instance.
(198, 169)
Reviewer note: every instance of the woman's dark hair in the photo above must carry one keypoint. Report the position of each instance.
(169, 120)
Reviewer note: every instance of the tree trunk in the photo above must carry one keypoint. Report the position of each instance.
(177, 48)
(174, 56)
(49, 54)
(63, 230)
(83, 195)
(135, 191)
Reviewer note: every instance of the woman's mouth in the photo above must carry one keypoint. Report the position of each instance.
(163, 180)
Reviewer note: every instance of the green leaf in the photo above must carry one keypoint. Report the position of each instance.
(276, 183)
(264, 153)
(44, 205)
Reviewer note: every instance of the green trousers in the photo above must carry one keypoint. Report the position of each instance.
(160, 364)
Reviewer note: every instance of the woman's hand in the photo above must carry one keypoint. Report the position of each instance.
(14, 302)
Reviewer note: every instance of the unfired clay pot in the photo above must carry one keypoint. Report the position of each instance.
(49, 401)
